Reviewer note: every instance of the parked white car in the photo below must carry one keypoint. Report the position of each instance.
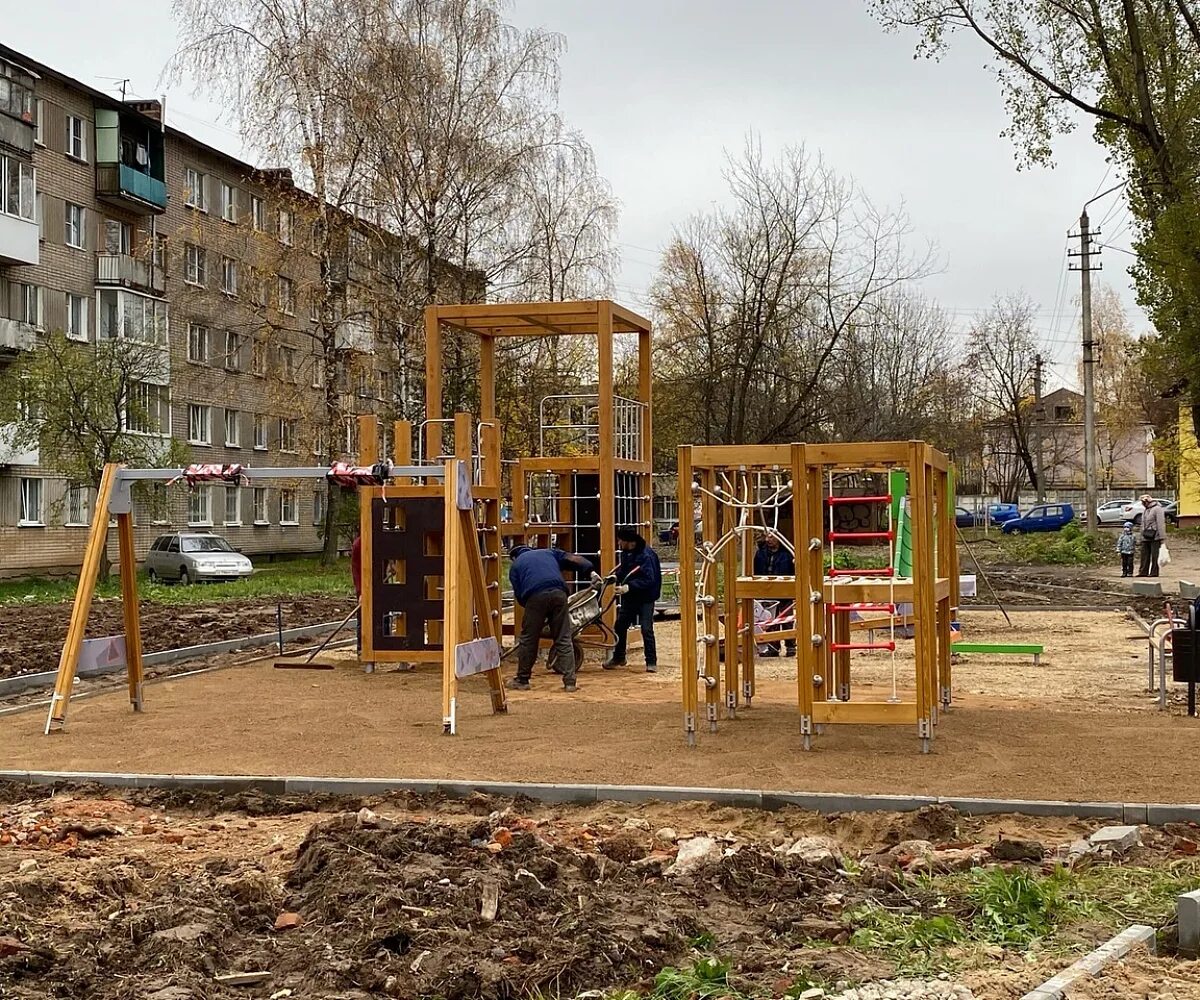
(1113, 511)
(1134, 510)
(194, 556)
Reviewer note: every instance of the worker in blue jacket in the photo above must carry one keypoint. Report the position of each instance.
(536, 576)
(772, 558)
(639, 578)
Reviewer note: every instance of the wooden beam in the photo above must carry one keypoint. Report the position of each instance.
(368, 439)
(129, 607)
(687, 595)
(608, 482)
(734, 456)
(433, 382)
(486, 310)
(629, 317)
(575, 463)
(85, 590)
(402, 445)
(731, 564)
(859, 454)
(452, 598)
(366, 495)
(865, 713)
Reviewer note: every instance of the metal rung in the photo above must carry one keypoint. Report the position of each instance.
(834, 501)
(836, 536)
(889, 646)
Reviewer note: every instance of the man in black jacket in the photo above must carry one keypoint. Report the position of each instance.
(773, 559)
(639, 577)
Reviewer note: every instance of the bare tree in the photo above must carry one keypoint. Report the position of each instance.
(1001, 366)
(755, 302)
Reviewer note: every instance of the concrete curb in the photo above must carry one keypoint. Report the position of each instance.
(1092, 964)
(24, 682)
(821, 802)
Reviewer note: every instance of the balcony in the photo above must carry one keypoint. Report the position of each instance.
(16, 336)
(130, 188)
(18, 240)
(355, 335)
(129, 272)
(16, 134)
(12, 452)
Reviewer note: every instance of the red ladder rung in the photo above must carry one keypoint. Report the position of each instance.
(839, 646)
(834, 501)
(883, 571)
(834, 536)
(890, 608)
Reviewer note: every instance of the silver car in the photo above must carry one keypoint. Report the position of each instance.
(195, 556)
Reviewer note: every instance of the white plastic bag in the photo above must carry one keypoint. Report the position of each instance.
(1164, 556)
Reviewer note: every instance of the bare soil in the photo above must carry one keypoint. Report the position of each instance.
(156, 896)
(32, 636)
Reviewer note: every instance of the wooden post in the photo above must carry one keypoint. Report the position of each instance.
(452, 597)
(608, 482)
(809, 579)
(433, 383)
(645, 394)
(402, 446)
(366, 497)
(68, 661)
(924, 621)
(129, 606)
(749, 650)
(368, 439)
(687, 594)
(487, 377)
(710, 531)
(733, 641)
(489, 616)
(464, 452)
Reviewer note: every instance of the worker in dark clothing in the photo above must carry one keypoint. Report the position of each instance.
(536, 576)
(639, 578)
(773, 559)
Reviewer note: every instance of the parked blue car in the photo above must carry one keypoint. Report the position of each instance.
(1001, 512)
(964, 518)
(1044, 517)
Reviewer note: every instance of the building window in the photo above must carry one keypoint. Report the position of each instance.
(199, 424)
(196, 183)
(200, 506)
(314, 307)
(258, 213)
(258, 358)
(39, 114)
(148, 409)
(228, 202)
(260, 432)
(158, 252)
(287, 364)
(318, 371)
(197, 349)
(285, 227)
(29, 305)
(31, 502)
(195, 265)
(77, 317)
(287, 435)
(77, 505)
(18, 188)
(287, 296)
(40, 212)
(1062, 413)
(129, 316)
(76, 138)
(260, 505)
(229, 276)
(233, 429)
(233, 351)
(233, 505)
(118, 236)
(319, 506)
(258, 286)
(75, 226)
(288, 509)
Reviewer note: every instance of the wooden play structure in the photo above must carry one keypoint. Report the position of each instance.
(431, 529)
(470, 623)
(792, 492)
(592, 473)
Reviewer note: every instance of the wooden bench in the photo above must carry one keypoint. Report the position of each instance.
(1002, 648)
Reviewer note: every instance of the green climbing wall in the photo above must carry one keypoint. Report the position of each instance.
(898, 488)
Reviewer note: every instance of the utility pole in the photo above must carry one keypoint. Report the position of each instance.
(1085, 269)
(1039, 418)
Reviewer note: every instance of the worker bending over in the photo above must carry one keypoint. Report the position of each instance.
(537, 582)
(639, 577)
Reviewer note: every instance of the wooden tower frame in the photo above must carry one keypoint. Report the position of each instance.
(601, 319)
(823, 629)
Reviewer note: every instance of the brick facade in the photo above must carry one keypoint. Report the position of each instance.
(256, 369)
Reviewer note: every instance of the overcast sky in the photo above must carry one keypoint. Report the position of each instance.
(662, 87)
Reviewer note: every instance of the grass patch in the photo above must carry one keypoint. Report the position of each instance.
(285, 578)
(1069, 547)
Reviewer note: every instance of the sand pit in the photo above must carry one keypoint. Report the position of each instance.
(1015, 731)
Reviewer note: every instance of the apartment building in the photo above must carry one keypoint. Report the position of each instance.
(113, 225)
